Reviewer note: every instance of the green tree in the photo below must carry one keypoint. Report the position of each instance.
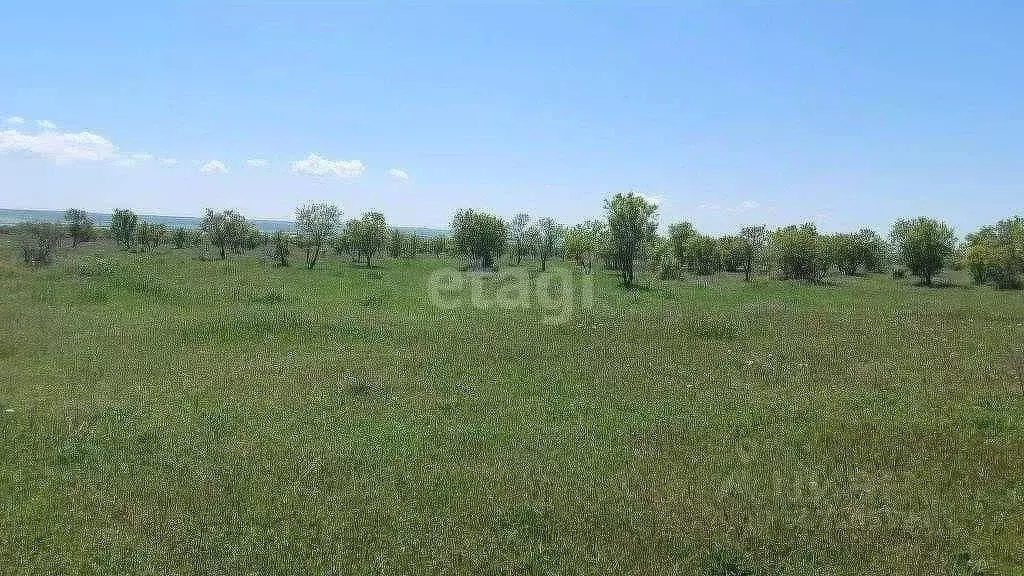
(846, 252)
(396, 243)
(531, 242)
(412, 245)
(873, 250)
(800, 252)
(582, 243)
(517, 235)
(251, 239)
(679, 235)
(344, 243)
(158, 234)
(280, 246)
(79, 225)
(979, 254)
(479, 236)
(922, 245)
(368, 235)
(753, 247)
(863, 250)
(123, 225)
(995, 254)
(143, 235)
(551, 235)
(732, 250)
(225, 229)
(316, 225)
(437, 245)
(632, 221)
(180, 237)
(702, 256)
(664, 263)
(574, 244)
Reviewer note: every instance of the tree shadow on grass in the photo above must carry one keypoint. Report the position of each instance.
(638, 288)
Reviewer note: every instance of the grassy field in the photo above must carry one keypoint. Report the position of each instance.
(165, 415)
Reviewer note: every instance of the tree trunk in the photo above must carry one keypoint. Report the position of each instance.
(312, 256)
(626, 264)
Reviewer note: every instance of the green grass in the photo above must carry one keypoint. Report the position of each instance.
(165, 415)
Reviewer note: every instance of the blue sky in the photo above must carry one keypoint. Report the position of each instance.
(729, 113)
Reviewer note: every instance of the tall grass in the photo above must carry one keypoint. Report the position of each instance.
(165, 415)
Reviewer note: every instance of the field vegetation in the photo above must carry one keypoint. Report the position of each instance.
(773, 402)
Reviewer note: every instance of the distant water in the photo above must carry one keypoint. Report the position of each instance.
(101, 219)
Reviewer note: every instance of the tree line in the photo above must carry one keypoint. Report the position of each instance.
(626, 241)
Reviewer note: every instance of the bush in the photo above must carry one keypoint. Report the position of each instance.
(733, 252)
(157, 234)
(80, 226)
(662, 260)
(37, 241)
(123, 225)
(800, 252)
(702, 256)
(995, 254)
(180, 238)
(670, 269)
(144, 234)
(855, 252)
(280, 248)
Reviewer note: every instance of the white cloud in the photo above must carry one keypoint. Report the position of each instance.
(315, 165)
(256, 163)
(14, 120)
(749, 205)
(656, 200)
(214, 167)
(169, 161)
(398, 174)
(61, 146)
(49, 142)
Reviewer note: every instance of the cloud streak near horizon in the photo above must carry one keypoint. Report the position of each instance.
(66, 147)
